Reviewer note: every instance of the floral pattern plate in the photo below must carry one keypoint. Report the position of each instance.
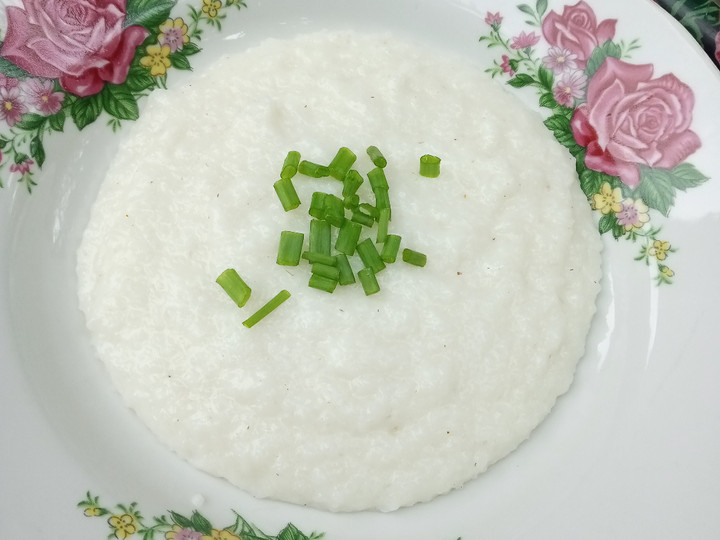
(630, 452)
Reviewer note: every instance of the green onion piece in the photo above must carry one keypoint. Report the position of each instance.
(351, 201)
(264, 311)
(234, 286)
(346, 276)
(287, 194)
(362, 219)
(334, 210)
(314, 257)
(352, 181)
(290, 165)
(325, 270)
(430, 166)
(376, 156)
(322, 283)
(319, 236)
(414, 257)
(368, 281)
(370, 256)
(308, 168)
(382, 200)
(348, 237)
(341, 163)
(390, 248)
(290, 249)
(317, 205)
(369, 209)
(383, 222)
(377, 179)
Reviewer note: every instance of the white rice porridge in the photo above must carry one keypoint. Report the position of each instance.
(341, 401)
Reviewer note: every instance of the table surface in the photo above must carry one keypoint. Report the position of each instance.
(702, 19)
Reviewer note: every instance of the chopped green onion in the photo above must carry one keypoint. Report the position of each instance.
(362, 219)
(341, 163)
(348, 237)
(287, 194)
(290, 165)
(322, 283)
(346, 272)
(290, 249)
(390, 249)
(377, 179)
(370, 256)
(414, 257)
(369, 209)
(383, 222)
(382, 200)
(313, 170)
(317, 205)
(314, 257)
(264, 311)
(351, 201)
(430, 166)
(319, 241)
(325, 270)
(376, 156)
(368, 281)
(334, 210)
(234, 286)
(352, 181)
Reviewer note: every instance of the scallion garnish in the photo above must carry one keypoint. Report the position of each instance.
(317, 205)
(368, 281)
(234, 286)
(334, 210)
(351, 201)
(369, 255)
(352, 181)
(322, 283)
(325, 270)
(348, 237)
(320, 232)
(376, 156)
(377, 179)
(346, 276)
(341, 163)
(390, 248)
(290, 165)
(382, 199)
(290, 249)
(414, 257)
(264, 311)
(313, 257)
(430, 166)
(287, 194)
(383, 223)
(313, 170)
(369, 209)
(362, 218)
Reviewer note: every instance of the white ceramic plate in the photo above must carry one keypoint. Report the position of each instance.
(630, 452)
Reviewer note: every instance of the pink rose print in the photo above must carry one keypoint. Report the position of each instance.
(80, 42)
(717, 46)
(631, 119)
(577, 30)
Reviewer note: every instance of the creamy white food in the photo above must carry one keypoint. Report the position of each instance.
(342, 401)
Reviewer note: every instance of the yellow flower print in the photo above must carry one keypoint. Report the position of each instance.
(124, 525)
(157, 59)
(211, 8)
(223, 534)
(608, 200)
(174, 34)
(659, 249)
(92, 511)
(666, 271)
(633, 214)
